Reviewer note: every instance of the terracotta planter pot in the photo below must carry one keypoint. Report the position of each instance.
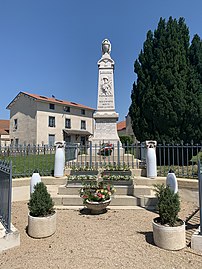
(97, 207)
(170, 238)
(40, 227)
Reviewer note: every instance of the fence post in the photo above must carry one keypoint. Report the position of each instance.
(10, 197)
(6, 194)
(90, 154)
(118, 153)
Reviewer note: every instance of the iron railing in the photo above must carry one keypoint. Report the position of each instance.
(26, 159)
(5, 194)
(182, 158)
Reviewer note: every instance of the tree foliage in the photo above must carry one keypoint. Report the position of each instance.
(40, 203)
(168, 204)
(167, 96)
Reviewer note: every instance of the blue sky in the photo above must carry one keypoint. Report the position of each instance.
(51, 47)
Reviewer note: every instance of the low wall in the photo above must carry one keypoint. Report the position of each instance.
(19, 182)
(188, 188)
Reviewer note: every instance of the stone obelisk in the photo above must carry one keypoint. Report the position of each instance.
(105, 115)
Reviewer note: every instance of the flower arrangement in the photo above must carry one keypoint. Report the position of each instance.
(96, 192)
(106, 149)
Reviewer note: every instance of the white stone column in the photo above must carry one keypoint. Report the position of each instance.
(105, 116)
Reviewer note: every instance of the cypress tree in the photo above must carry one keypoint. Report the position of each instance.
(166, 98)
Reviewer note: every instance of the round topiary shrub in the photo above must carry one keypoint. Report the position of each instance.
(40, 203)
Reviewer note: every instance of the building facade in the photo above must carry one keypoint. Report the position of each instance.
(4, 133)
(37, 119)
(124, 128)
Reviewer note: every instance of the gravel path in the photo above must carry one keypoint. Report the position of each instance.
(116, 239)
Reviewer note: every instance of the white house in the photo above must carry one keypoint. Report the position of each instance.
(37, 119)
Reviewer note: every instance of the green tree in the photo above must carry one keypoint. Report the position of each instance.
(166, 98)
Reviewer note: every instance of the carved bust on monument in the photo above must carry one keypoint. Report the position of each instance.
(105, 116)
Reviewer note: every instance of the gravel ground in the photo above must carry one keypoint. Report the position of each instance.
(116, 239)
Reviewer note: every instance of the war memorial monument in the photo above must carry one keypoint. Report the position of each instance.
(105, 116)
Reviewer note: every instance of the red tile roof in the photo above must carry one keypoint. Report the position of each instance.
(49, 100)
(4, 126)
(121, 125)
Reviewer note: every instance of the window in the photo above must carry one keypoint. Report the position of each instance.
(51, 139)
(15, 124)
(83, 140)
(68, 139)
(16, 142)
(66, 108)
(51, 122)
(67, 123)
(52, 106)
(83, 112)
(83, 124)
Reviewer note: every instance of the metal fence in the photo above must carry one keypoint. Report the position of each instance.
(26, 159)
(99, 155)
(182, 158)
(5, 194)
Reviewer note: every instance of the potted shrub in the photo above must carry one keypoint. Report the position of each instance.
(168, 229)
(42, 216)
(96, 196)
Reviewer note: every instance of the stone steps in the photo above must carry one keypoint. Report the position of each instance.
(137, 190)
(131, 195)
(135, 172)
(98, 160)
(76, 200)
(192, 223)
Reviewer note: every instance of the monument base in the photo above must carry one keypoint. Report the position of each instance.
(196, 240)
(9, 240)
(105, 129)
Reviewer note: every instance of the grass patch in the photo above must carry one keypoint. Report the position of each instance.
(190, 171)
(23, 166)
